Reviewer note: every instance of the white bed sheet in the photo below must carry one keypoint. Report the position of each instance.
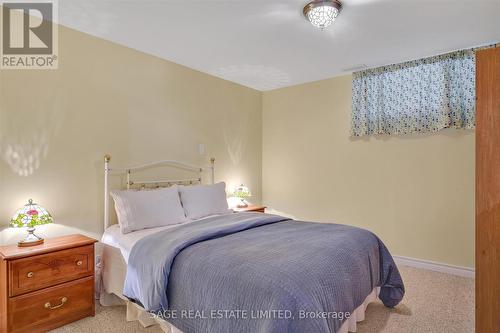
(114, 237)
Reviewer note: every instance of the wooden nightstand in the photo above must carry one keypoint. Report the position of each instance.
(46, 286)
(251, 208)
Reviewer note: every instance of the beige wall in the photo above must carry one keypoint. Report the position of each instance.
(415, 192)
(55, 126)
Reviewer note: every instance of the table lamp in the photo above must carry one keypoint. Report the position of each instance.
(242, 192)
(30, 215)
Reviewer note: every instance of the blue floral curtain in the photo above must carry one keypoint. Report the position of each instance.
(425, 95)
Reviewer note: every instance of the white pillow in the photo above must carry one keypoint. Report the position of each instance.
(204, 200)
(138, 210)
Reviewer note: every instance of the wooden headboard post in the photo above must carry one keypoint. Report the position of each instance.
(107, 158)
(212, 171)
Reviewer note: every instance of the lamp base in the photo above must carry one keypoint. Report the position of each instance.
(242, 204)
(26, 244)
(31, 239)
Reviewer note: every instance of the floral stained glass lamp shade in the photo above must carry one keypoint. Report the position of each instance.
(242, 192)
(29, 216)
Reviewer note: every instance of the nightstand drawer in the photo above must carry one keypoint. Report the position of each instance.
(45, 270)
(45, 309)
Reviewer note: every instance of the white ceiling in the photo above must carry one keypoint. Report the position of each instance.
(266, 44)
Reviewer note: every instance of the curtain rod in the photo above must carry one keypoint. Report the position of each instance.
(473, 49)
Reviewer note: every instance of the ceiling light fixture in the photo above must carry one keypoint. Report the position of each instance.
(322, 13)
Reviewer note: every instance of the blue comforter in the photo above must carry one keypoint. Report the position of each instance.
(254, 272)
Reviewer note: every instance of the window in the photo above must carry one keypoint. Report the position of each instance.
(425, 95)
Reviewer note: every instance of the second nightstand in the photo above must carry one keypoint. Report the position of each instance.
(46, 286)
(251, 208)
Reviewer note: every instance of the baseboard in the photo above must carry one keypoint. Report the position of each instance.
(435, 266)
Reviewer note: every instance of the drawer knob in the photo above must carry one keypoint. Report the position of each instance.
(79, 263)
(52, 307)
(30, 274)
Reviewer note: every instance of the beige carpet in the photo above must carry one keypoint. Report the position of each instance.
(434, 302)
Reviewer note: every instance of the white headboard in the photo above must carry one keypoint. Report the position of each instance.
(155, 182)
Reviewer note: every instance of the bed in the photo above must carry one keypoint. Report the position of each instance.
(244, 272)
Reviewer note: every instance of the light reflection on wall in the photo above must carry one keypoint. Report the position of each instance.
(236, 134)
(25, 134)
(24, 157)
